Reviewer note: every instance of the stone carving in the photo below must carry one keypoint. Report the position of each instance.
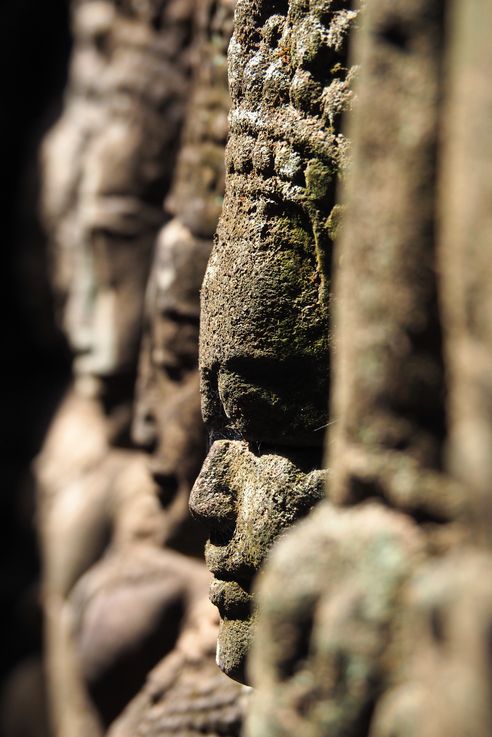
(185, 694)
(322, 646)
(129, 610)
(128, 86)
(265, 300)
(247, 500)
(83, 111)
(464, 256)
(104, 219)
(167, 412)
(389, 406)
(443, 687)
(100, 496)
(382, 628)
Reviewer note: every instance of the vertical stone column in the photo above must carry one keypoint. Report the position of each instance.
(185, 693)
(465, 254)
(389, 392)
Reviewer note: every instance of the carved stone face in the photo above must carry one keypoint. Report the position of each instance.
(124, 174)
(92, 23)
(105, 302)
(168, 413)
(247, 499)
(265, 333)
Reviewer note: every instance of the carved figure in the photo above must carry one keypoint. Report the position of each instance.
(83, 112)
(123, 164)
(399, 649)
(265, 301)
(130, 76)
(185, 694)
(444, 686)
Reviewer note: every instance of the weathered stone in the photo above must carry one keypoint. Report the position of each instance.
(124, 150)
(186, 695)
(331, 645)
(125, 103)
(388, 396)
(265, 299)
(444, 685)
(246, 500)
(168, 399)
(465, 256)
(92, 21)
(319, 658)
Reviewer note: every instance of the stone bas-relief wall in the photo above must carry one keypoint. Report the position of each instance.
(373, 612)
(382, 628)
(117, 597)
(265, 326)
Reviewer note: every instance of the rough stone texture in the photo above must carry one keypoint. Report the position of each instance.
(167, 413)
(376, 635)
(388, 398)
(246, 501)
(465, 254)
(265, 299)
(445, 685)
(265, 296)
(185, 694)
(320, 657)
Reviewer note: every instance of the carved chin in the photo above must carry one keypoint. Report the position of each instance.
(233, 646)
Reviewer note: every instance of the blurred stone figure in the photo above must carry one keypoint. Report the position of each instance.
(185, 694)
(126, 173)
(445, 686)
(266, 295)
(65, 146)
(126, 600)
(131, 83)
(126, 97)
(167, 415)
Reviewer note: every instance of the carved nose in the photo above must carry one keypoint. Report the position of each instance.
(212, 499)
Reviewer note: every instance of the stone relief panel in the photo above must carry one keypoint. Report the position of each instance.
(399, 649)
(265, 327)
(102, 526)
